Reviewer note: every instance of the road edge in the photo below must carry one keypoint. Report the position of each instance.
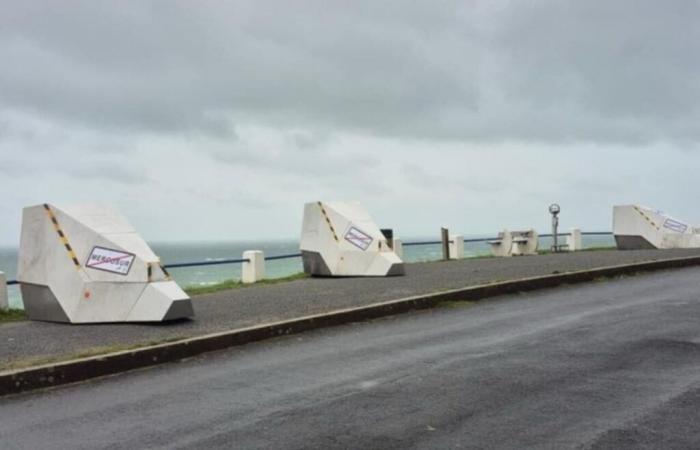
(72, 371)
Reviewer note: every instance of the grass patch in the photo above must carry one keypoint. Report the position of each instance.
(236, 284)
(456, 304)
(12, 315)
(588, 249)
(487, 256)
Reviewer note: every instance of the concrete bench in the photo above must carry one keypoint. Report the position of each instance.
(501, 246)
(525, 242)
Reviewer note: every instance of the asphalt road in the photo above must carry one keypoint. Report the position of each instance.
(25, 343)
(613, 364)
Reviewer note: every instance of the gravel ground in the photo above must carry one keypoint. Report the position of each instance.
(31, 342)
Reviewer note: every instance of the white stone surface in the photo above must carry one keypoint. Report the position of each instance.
(254, 269)
(4, 299)
(457, 247)
(398, 247)
(636, 226)
(155, 301)
(573, 240)
(341, 239)
(502, 246)
(111, 281)
(525, 242)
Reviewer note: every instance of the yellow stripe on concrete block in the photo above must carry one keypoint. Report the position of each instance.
(328, 221)
(62, 236)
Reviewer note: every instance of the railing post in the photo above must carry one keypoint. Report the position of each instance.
(445, 235)
(254, 269)
(457, 247)
(573, 240)
(4, 300)
(398, 247)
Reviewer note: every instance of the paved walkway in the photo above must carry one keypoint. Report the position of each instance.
(24, 343)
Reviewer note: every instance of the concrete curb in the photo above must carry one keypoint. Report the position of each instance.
(72, 371)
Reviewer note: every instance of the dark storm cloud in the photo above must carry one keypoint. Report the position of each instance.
(545, 71)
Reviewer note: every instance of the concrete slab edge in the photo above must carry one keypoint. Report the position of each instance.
(82, 369)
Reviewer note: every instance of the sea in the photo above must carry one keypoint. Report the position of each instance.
(182, 252)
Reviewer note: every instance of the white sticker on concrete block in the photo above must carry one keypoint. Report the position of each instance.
(675, 225)
(109, 260)
(358, 238)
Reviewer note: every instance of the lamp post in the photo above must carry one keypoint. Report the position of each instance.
(554, 210)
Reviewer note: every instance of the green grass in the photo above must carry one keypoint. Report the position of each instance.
(236, 284)
(539, 252)
(12, 315)
(589, 249)
(456, 304)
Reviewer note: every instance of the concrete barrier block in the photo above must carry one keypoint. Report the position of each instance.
(573, 240)
(341, 239)
(457, 247)
(398, 247)
(4, 299)
(87, 264)
(253, 270)
(639, 227)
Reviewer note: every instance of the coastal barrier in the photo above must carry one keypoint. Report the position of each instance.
(399, 244)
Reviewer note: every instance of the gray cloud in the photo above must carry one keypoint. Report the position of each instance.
(545, 71)
(476, 114)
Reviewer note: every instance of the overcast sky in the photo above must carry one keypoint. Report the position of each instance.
(218, 120)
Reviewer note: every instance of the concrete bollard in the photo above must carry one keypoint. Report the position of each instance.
(445, 239)
(573, 241)
(4, 300)
(457, 247)
(398, 247)
(254, 269)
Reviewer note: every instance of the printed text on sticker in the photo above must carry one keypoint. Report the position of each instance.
(358, 238)
(675, 226)
(109, 260)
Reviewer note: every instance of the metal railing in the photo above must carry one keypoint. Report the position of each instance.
(298, 255)
(411, 244)
(588, 233)
(228, 261)
(206, 263)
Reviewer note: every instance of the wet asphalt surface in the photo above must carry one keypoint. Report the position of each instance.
(606, 365)
(24, 343)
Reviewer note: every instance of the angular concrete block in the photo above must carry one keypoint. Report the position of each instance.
(341, 239)
(574, 242)
(254, 269)
(4, 298)
(87, 264)
(641, 227)
(457, 247)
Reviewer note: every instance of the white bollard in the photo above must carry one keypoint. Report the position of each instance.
(398, 247)
(4, 302)
(457, 247)
(254, 269)
(573, 240)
